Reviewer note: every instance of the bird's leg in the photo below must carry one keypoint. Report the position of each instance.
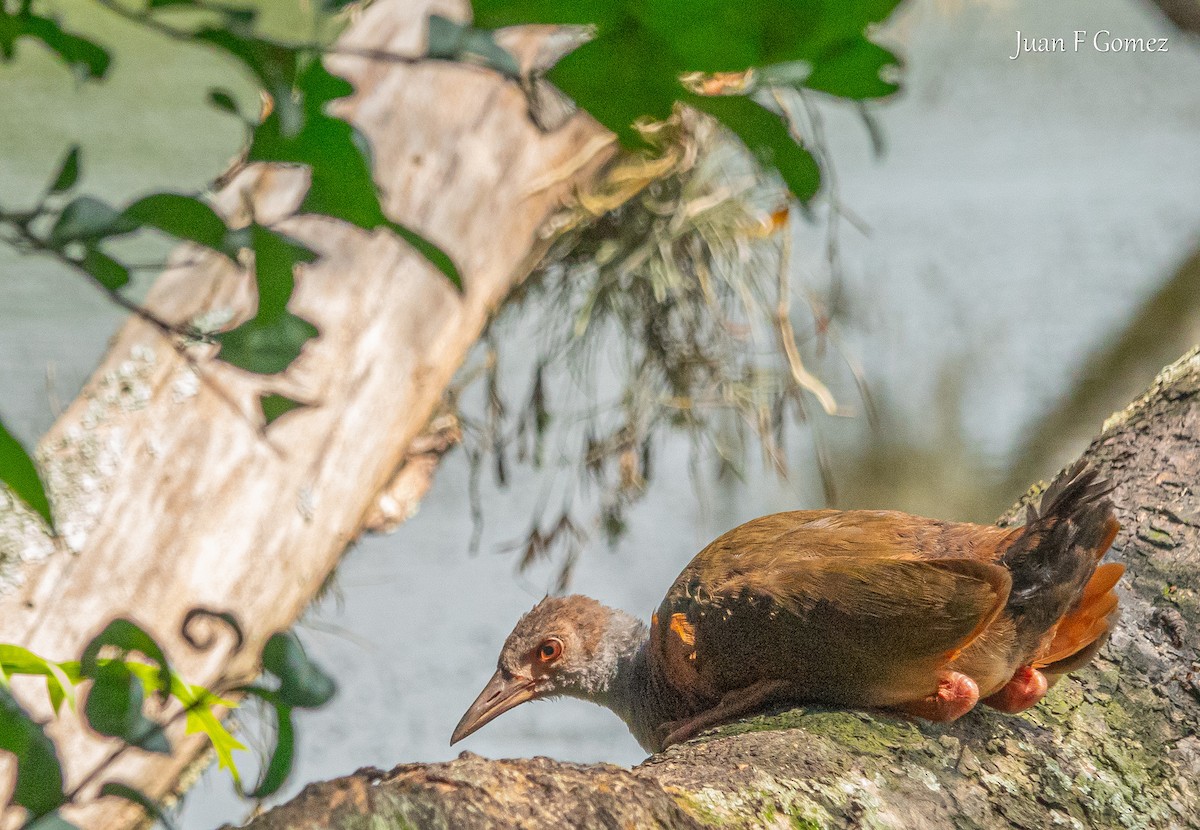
(956, 695)
(733, 705)
(1026, 688)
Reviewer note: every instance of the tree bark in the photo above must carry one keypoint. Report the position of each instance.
(1112, 746)
(167, 495)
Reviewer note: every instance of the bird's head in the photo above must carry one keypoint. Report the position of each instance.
(563, 646)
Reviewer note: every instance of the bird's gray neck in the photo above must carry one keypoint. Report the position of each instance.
(629, 684)
(608, 668)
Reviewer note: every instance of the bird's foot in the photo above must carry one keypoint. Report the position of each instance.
(678, 731)
(733, 705)
(956, 695)
(1025, 689)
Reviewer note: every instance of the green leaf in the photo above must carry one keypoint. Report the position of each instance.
(224, 100)
(152, 807)
(39, 785)
(50, 821)
(81, 55)
(10, 30)
(236, 18)
(280, 764)
(440, 259)
(275, 258)
(273, 64)
(88, 219)
(200, 718)
(198, 703)
(497, 13)
(453, 41)
(114, 704)
(183, 217)
(619, 77)
(114, 708)
(266, 348)
(767, 136)
(301, 682)
(274, 406)
(127, 637)
(855, 69)
(713, 35)
(107, 271)
(270, 341)
(17, 660)
(68, 171)
(18, 471)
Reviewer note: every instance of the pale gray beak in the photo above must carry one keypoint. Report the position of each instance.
(498, 696)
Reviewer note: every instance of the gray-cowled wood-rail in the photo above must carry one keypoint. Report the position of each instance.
(860, 608)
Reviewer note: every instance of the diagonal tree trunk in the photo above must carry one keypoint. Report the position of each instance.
(1168, 322)
(1112, 746)
(1183, 13)
(168, 496)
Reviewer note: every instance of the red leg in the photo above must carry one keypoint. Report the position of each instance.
(956, 695)
(1026, 688)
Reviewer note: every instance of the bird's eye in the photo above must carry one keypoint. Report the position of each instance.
(550, 650)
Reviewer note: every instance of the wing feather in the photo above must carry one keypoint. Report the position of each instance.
(841, 610)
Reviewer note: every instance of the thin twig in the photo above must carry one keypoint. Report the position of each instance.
(787, 339)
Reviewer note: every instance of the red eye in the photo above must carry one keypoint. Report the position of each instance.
(549, 651)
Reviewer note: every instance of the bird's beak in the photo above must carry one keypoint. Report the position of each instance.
(498, 696)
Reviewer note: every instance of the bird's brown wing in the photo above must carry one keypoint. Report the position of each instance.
(886, 534)
(854, 622)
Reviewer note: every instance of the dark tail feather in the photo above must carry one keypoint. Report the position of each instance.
(1086, 627)
(1053, 561)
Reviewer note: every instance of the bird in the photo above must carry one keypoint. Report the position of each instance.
(862, 609)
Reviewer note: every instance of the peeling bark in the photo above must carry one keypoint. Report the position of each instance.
(1112, 746)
